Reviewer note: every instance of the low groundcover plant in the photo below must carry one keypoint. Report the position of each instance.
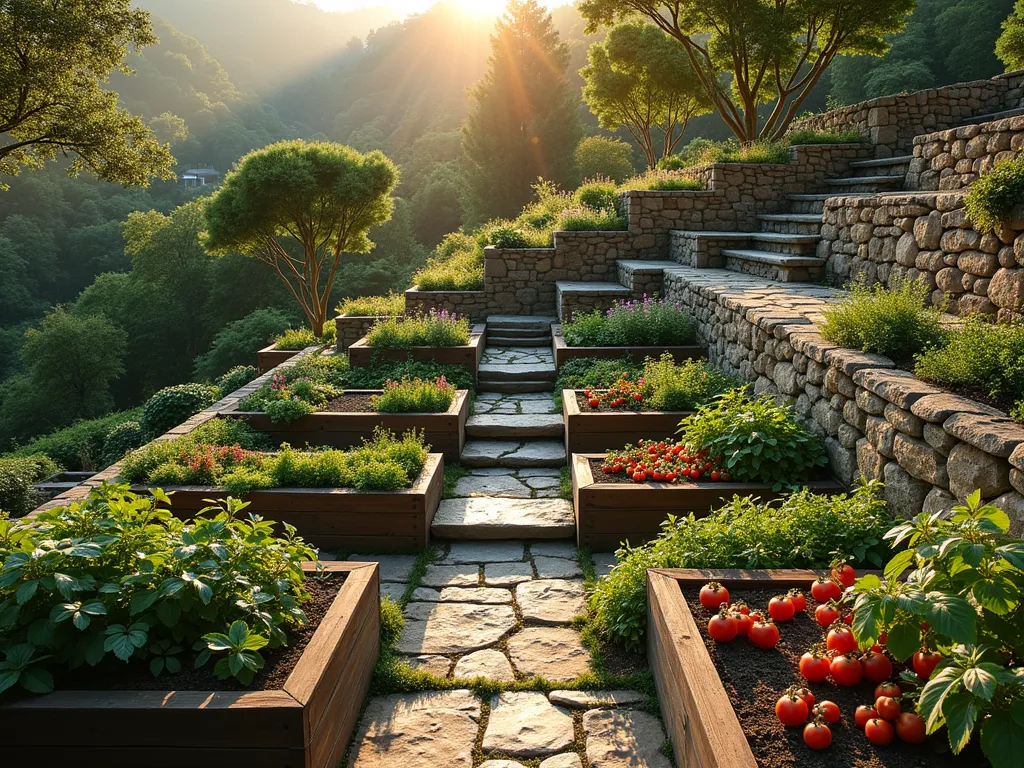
(415, 396)
(438, 328)
(116, 577)
(635, 323)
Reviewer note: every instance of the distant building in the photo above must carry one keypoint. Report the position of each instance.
(201, 177)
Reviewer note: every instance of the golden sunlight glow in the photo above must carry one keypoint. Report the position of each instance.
(409, 7)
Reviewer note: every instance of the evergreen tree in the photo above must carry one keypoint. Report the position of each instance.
(523, 123)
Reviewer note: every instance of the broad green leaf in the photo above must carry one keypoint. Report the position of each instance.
(255, 642)
(997, 517)
(899, 563)
(173, 665)
(156, 666)
(980, 682)
(961, 711)
(1013, 553)
(36, 680)
(943, 683)
(142, 601)
(26, 591)
(237, 633)
(8, 678)
(1002, 739)
(996, 593)
(866, 620)
(903, 639)
(20, 655)
(168, 612)
(120, 644)
(81, 620)
(94, 608)
(951, 616)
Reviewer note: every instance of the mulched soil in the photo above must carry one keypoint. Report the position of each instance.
(584, 403)
(755, 679)
(350, 404)
(113, 675)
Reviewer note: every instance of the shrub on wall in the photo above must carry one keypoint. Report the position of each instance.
(81, 446)
(992, 198)
(17, 476)
(121, 439)
(234, 379)
(173, 405)
(373, 306)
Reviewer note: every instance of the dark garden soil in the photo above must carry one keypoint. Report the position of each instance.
(112, 675)
(631, 407)
(755, 679)
(350, 404)
(600, 476)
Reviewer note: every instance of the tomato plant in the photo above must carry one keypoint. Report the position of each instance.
(713, 595)
(843, 574)
(925, 662)
(664, 463)
(623, 392)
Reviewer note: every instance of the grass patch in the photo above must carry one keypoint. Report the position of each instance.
(452, 474)
(565, 484)
(373, 306)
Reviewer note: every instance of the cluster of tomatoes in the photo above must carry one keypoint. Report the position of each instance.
(798, 704)
(619, 394)
(884, 720)
(737, 620)
(664, 463)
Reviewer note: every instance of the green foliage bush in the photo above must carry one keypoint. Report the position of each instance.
(600, 156)
(17, 476)
(634, 323)
(991, 198)
(895, 321)
(802, 530)
(376, 376)
(598, 195)
(119, 577)
(665, 180)
(593, 373)
(668, 386)
(173, 405)
(235, 379)
(121, 439)
(439, 328)
(456, 265)
(238, 342)
(808, 136)
(981, 356)
(373, 306)
(295, 339)
(80, 446)
(758, 439)
(415, 396)
(583, 219)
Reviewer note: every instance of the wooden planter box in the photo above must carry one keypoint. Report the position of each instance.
(361, 354)
(699, 717)
(270, 357)
(610, 513)
(564, 353)
(351, 328)
(599, 431)
(305, 724)
(444, 432)
(339, 518)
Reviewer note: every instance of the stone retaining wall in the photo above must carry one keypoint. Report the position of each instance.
(952, 159)
(931, 448)
(925, 236)
(892, 122)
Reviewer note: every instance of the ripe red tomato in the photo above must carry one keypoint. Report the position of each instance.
(780, 608)
(695, 474)
(743, 623)
(925, 662)
(826, 615)
(864, 713)
(828, 711)
(887, 707)
(844, 574)
(740, 607)
(848, 618)
(791, 710)
(824, 590)
(889, 689)
(797, 598)
(878, 731)
(764, 634)
(910, 728)
(877, 667)
(846, 670)
(638, 477)
(841, 639)
(722, 627)
(803, 692)
(594, 402)
(814, 667)
(713, 595)
(817, 735)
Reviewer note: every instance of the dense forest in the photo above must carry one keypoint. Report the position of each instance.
(122, 271)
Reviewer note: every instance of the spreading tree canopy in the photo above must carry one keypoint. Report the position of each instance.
(523, 123)
(642, 79)
(1010, 45)
(54, 57)
(298, 207)
(599, 156)
(751, 52)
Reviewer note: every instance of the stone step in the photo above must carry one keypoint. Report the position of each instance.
(993, 116)
(815, 202)
(881, 162)
(791, 223)
(573, 296)
(518, 426)
(520, 323)
(515, 387)
(778, 242)
(517, 341)
(513, 453)
(642, 276)
(480, 518)
(786, 268)
(866, 183)
(516, 372)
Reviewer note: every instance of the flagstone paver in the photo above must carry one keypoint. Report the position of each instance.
(487, 663)
(514, 453)
(557, 568)
(478, 518)
(565, 760)
(482, 595)
(444, 628)
(392, 567)
(485, 552)
(592, 699)
(555, 653)
(624, 739)
(563, 549)
(603, 562)
(507, 574)
(435, 665)
(550, 601)
(467, 575)
(527, 725)
(508, 486)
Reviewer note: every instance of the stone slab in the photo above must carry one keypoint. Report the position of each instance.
(435, 665)
(527, 725)
(556, 568)
(462, 552)
(482, 595)
(554, 653)
(466, 575)
(499, 518)
(446, 628)
(565, 760)
(594, 699)
(507, 486)
(622, 738)
(489, 663)
(550, 601)
(603, 563)
(507, 574)
(392, 567)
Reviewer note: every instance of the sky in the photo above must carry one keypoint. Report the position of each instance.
(407, 7)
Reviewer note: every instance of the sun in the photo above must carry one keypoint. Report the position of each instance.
(483, 8)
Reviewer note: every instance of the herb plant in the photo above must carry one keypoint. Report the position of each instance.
(757, 439)
(116, 576)
(415, 396)
(963, 600)
(439, 328)
(668, 386)
(991, 199)
(640, 323)
(373, 306)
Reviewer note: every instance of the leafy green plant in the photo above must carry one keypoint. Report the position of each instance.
(457, 264)
(117, 576)
(801, 530)
(376, 376)
(757, 439)
(962, 599)
(593, 373)
(439, 328)
(508, 236)
(634, 323)
(242, 646)
(991, 199)
(667, 386)
(584, 219)
(121, 439)
(896, 321)
(300, 338)
(598, 195)
(415, 396)
(80, 446)
(665, 179)
(808, 136)
(980, 356)
(172, 406)
(17, 476)
(235, 379)
(373, 306)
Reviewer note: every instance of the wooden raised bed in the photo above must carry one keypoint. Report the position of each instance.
(271, 357)
(699, 717)
(351, 328)
(610, 513)
(339, 518)
(361, 354)
(444, 432)
(599, 431)
(564, 353)
(305, 724)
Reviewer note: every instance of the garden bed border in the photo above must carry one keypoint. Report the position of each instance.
(563, 352)
(597, 431)
(271, 357)
(361, 354)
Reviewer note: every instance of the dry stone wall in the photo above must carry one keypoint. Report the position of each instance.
(949, 160)
(925, 236)
(892, 122)
(930, 448)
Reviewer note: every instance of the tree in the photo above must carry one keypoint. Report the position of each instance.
(436, 207)
(773, 51)
(523, 123)
(298, 207)
(54, 58)
(600, 156)
(74, 359)
(1010, 45)
(641, 78)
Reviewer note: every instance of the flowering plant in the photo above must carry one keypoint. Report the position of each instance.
(641, 322)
